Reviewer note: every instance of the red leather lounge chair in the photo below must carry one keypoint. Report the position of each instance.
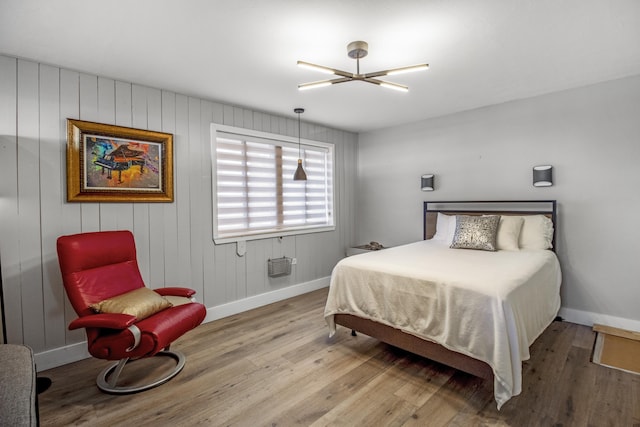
(102, 280)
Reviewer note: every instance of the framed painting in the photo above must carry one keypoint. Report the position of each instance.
(107, 163)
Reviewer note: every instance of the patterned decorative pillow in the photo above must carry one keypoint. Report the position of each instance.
(476, 232)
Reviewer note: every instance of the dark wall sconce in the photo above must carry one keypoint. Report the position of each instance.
(543, 176)
(426, 182)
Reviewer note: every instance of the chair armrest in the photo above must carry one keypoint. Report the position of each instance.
(176, 291)
(103, 320)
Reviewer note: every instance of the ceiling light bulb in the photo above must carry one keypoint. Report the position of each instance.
(315, 67)
(408, 69)
(306, 86)
(394, 86)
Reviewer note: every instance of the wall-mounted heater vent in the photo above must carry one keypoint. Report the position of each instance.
(279, 267)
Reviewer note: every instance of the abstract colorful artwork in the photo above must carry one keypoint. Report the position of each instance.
(113, 163)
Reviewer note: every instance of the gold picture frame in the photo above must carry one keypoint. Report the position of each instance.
(107, 163)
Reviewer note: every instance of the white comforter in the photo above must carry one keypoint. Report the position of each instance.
(488, 305)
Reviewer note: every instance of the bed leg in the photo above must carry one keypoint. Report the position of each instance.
(353, 333)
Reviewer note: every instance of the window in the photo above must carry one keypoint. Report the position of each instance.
(254, 194)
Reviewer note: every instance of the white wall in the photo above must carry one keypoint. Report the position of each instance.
(590, 135)
(174, 240)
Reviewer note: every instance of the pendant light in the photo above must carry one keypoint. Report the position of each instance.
(299, 175)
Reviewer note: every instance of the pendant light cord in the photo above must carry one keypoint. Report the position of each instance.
(299, 151)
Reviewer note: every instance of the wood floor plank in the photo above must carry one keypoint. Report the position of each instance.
(584, 338)
(375, 399)
(576, 377)
(316, 405)
(275, 365)
(445, 405)
(426, 382)
(611, 398)
(271, 398)
(540, 376)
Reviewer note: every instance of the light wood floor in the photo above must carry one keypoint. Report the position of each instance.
(275, 366)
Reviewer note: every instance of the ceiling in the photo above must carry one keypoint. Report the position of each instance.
(244, 52)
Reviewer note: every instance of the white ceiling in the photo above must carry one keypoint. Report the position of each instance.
(244, 52)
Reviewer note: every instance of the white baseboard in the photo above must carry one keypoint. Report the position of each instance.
(78, 351)
(589, 319)
(235, 307)
(61, 356)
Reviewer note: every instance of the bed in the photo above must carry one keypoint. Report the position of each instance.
(475, 310)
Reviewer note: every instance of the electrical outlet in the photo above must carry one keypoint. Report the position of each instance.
(294, 261)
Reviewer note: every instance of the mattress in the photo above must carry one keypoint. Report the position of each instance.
(487, 305)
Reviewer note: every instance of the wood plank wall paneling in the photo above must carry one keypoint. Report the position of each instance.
(170, 210)
(9, 257)
(69, 100)
(107, 114)
(52, 171)
(90, 212)
(174, 240)
(29, 204)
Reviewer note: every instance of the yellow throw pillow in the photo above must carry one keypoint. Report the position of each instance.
(141, 303)
(176, 301)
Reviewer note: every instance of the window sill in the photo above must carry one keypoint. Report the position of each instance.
(272, 234)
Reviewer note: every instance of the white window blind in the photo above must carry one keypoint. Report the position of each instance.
(255, 195)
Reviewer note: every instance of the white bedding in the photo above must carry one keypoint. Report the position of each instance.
(488, 305)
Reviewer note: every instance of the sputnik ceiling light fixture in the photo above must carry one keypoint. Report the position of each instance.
(357, 50)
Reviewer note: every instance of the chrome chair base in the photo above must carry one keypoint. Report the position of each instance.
(107, 379)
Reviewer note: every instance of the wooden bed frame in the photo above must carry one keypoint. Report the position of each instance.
(429, 349)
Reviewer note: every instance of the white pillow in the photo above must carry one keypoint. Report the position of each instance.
(537, 232)
(509, 230)
(445, 228)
